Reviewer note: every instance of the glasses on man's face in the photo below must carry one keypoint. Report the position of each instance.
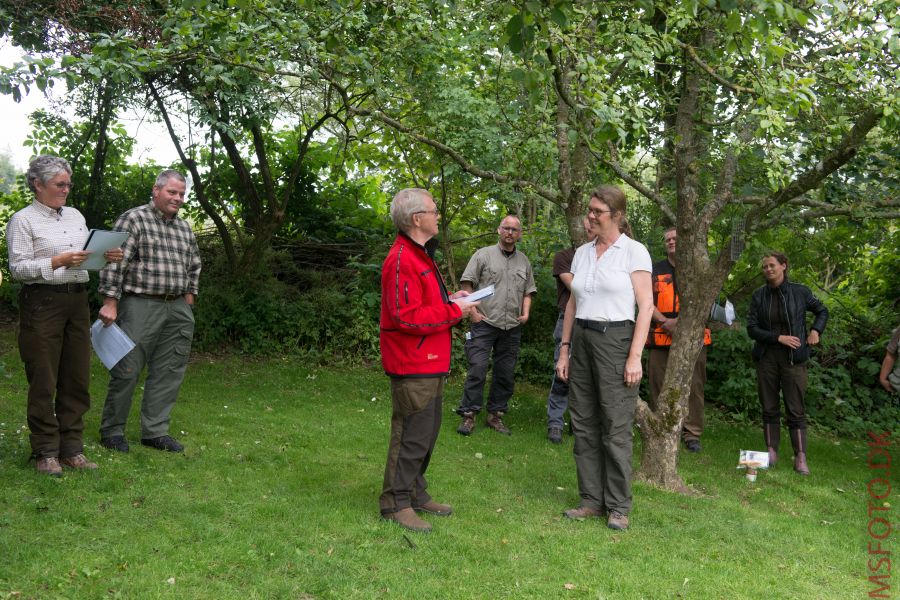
(596, 212)
(63, 185)
(510, 229)
(434, 212)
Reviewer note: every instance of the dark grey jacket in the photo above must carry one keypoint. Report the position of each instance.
(795, 300)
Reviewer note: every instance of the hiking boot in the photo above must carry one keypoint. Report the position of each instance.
(583, 512)
(408, 519)
(435, 508)
(617, 521)
(467, 426)
(800, 463)
(115, 442)
(693, 445)
(78, 462)
(495, 422)
(163, 442)
(49, 465)
(554, 434)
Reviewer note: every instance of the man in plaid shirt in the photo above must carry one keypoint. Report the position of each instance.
(150, 294)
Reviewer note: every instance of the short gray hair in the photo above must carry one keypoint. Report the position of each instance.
(164, 177)
(45, 167)
(405, 204)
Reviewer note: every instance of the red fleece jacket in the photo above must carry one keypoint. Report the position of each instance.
(416, 313)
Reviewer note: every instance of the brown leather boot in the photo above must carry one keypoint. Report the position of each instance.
(434, 508)
(408, 519)
(800, 464)
(467, 425)
(798, 441)
(49, 465)
(495, 422)
(78, 462)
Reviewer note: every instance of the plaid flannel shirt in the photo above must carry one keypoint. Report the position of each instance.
(161, 256)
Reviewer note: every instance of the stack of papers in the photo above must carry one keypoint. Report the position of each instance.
(477, 295)
(110, 343)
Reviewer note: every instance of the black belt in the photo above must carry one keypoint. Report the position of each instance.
(160, 297)
(602, 326)
(61, 288)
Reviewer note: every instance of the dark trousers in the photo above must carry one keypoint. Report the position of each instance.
(776, 376)
(602, 410)
(415, 423)
(558, 399)
(504, 345)
(55, 345)
(692, 428)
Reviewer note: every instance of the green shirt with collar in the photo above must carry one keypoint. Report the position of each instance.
(512, 277)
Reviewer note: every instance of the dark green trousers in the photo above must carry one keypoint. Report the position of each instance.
(55, 345)
(415, 424)
(602, 411)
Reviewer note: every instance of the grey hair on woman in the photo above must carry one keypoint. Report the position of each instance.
(45, 167)
(407, 203)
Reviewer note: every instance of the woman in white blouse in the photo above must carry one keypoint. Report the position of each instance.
(45, 242)
(604, 330)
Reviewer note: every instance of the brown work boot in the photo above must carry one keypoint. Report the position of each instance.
(78, 462)
(49, 465)
(800, 463)
(467, 426)
(435, 508)
(617, 521)
(408, 519)
(583, 512)
(495, 422)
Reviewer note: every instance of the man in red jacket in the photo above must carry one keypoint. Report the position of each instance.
(416, 317)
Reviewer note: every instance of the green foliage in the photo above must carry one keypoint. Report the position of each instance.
(843, 394)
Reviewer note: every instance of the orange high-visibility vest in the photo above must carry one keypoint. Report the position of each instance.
(667, 303)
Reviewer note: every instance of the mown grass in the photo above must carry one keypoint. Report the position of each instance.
(276, 497)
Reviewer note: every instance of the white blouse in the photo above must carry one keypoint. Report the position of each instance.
(602, 286)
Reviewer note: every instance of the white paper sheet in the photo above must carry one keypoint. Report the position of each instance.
(110, 343)
(98, 242)
(478, 294)
(753, 458)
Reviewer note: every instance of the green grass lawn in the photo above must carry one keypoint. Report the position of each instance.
(276, 497)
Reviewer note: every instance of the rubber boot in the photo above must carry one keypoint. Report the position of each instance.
(798, 440)
(772, 433)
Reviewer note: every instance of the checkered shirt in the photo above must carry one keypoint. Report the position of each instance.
(161, 256)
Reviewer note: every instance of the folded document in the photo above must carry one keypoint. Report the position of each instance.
(478, 294)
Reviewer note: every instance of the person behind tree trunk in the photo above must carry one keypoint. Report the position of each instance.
(416, 318)
(45, 243)
(605, 340)
(558, 398)
(665, 319)
(777, 323)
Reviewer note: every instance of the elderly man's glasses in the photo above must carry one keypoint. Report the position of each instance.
(434, 212)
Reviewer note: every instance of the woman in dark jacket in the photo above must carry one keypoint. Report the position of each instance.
(777, 322)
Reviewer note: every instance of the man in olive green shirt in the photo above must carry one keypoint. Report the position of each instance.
(496, 325)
